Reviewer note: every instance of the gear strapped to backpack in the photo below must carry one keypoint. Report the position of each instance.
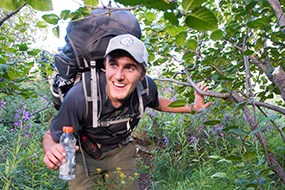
(86, 43)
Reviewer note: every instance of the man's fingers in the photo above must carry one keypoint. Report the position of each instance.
(55, 157)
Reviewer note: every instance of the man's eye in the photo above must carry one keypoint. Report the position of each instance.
(130, 68)
(112, 64)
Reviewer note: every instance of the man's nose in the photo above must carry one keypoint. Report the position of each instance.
(120, 74)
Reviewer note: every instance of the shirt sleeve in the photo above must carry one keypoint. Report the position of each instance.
(71, 112)
(153, 101)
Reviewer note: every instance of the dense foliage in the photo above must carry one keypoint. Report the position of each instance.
(236, 47)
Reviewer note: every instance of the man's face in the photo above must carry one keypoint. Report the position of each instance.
(122, 75)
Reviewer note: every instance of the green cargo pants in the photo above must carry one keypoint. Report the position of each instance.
(116, 169)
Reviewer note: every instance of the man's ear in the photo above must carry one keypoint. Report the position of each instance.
(143, 75)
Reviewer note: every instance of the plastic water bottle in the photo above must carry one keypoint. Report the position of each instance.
(68, 141)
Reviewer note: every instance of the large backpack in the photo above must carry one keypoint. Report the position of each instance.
(86, 43)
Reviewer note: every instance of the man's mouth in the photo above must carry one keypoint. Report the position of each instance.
(119, 85)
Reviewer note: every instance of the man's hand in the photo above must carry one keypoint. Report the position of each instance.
(199, 99)
(55, 156)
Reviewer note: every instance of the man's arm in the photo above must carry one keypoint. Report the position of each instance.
(54, 152)
(196, 106)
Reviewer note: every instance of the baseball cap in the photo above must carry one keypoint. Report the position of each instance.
(130, 44)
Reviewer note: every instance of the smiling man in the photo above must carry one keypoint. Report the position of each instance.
(124, 92)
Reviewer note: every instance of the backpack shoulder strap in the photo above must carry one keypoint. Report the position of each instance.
(143, 94)
(92, 93)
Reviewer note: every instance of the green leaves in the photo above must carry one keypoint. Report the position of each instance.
(177, 103)
(191, 4)
(202, 19)
(11, 5)
(51, 18)
(91, 2)
(40, 5)
(156, 4)
(212, 122)
(217, 35)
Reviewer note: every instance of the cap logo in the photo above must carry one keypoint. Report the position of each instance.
(127, 41)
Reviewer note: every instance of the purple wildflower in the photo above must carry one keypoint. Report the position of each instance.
(3, 104)
(267, 128)
(150, 112)
(168, 90)
(173, 98)
(28, 126)
(35, 155)
(193, 140)
(26, 115)
(17, 123)
(227, 116)
(166, 141)
(217, 129)
(16, 116)
(245, 118)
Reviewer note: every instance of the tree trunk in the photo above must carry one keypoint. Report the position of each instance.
(278, 76)
(271, 160)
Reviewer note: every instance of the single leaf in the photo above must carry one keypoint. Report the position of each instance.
(264, 172)
(220, 175)
(191, 4)
(12, 74)
(92, 3)
(240, 105)
(55, 31)
(242, 181)
(202, 19)
(181, 38)
(23, 47)
(217, 35)
(249, 155)
(150, 16)
(11, 5)
(258, 23)
(171, 17)
(192, 44)
(155, 4)
(177, 103)
(212, 122)
(216, 157)
(42, 5)
(234, 158)
(51, 18)
(65, 14)
(248, 52)
(236, 131)
(41, 24)
(188, 57)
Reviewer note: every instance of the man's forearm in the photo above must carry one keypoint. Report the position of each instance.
(48, 141)
(164, 106)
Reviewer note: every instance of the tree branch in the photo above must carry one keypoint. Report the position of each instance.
(226, 96)
(275, 5)
(2, 20)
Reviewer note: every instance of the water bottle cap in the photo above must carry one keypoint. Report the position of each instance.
(67, 129)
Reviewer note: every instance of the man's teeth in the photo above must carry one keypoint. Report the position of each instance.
(119, 85)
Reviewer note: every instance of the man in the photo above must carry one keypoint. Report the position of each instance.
(119, 88)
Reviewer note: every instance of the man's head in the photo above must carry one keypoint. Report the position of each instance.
(125, 62)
